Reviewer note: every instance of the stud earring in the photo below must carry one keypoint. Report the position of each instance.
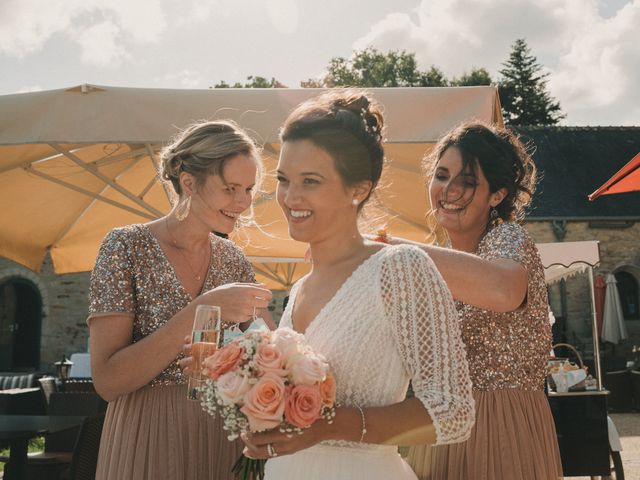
(355, 202)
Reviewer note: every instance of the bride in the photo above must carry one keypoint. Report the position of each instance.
(381, 315)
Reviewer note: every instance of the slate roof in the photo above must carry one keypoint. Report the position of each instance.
(575, 161)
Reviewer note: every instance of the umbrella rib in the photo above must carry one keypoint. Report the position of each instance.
(108, 160)
(268, 274)
(96, 173)
(86, 209)
(75, 188)
(155, 162)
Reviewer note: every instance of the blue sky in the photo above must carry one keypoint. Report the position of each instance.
(589, 47)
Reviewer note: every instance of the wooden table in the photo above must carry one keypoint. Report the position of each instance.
(18, 429)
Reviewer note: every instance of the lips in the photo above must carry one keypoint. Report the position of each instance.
(229, 214)
(300, 214)
(450, 207)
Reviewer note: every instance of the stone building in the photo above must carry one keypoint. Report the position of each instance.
(574, 162)
(42, 315)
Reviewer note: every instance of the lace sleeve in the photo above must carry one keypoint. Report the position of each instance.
(426, 330)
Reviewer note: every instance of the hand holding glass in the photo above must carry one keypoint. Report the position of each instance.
(205, 338)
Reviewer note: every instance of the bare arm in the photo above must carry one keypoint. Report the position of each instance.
(499, 285)
(119, 366)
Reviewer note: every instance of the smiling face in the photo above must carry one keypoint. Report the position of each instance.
(312, 194)
(218, 202)
(461, 200)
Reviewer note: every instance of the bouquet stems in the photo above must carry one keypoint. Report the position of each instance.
(248, 469)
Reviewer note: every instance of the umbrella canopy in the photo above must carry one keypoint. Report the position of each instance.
(76, 163)
(614, 329)
(566, 259)
(627, 179)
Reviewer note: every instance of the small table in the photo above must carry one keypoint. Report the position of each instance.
(18, 429)
(22, 401)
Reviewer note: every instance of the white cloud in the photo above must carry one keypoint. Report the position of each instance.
(100, 45)
(283, 14)
(104, 29)
(594, 61)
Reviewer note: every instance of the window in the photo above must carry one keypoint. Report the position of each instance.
(628, 291)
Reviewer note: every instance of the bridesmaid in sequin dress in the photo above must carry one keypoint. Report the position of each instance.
(147, 281)
(480, 180)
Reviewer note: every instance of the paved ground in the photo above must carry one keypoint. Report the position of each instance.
(628, 425)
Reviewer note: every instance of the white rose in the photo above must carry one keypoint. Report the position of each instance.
(288, 341)
(231, 387)
(307, 369)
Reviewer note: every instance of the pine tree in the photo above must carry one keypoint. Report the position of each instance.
(523, 90)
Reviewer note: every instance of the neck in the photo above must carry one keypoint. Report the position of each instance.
(336, 249)
(188, 234)
(467, 241)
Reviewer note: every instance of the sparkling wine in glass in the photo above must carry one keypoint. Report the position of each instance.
(205, 338)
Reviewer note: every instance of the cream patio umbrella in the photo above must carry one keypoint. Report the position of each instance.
(77, 162)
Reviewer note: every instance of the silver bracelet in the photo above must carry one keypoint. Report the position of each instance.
(364, 424)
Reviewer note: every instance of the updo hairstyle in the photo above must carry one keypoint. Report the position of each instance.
(203, 149)
(346, 124)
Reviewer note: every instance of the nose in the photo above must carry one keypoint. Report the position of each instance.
(453, 190)
(243, 198)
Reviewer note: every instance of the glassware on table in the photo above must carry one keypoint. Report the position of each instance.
(205, 339)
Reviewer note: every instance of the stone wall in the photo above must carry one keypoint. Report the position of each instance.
(619, 247)
(64, 309)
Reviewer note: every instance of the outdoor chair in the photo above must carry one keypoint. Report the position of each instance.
(85, 452)
(59, 447)
(7, 382)
(619, 385)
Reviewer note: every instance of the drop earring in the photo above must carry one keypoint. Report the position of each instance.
(182, 210)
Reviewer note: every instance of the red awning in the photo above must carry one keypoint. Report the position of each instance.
(626, 180)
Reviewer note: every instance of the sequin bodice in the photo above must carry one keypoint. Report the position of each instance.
(132, 276)
(509, 350)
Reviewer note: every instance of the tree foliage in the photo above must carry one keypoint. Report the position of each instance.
(252, 82)
(523, 90)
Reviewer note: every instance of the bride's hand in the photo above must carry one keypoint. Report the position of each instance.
(281, 443)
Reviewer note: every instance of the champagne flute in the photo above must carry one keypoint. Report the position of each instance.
(205, 338)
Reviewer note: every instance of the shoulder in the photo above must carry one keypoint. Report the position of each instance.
(404, 254)
(125, 235)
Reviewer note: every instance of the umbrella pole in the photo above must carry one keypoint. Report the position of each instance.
(594, 328)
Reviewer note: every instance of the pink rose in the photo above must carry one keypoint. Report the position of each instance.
(269, 358)
(288, 341)
(224, 360)
(307, 368)
(328, 390)
(303, 405)
(231, 387)
(264, 403)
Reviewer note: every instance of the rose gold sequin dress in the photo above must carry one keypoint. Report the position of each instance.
(514, 436)
(155, 432)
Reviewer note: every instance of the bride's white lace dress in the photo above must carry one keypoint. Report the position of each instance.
(393, 320)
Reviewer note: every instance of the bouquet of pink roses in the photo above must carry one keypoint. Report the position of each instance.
(265, 380)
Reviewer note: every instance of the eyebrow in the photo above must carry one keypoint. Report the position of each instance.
(304, 174)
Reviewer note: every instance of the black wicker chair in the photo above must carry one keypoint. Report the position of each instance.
(85, 453)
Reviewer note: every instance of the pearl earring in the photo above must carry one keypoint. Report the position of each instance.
(355, 202)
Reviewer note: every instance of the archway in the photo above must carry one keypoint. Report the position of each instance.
(20, 324)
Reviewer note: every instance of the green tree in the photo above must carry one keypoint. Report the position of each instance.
(478, 76)
(523, 90)
(252, 82)
(372, 68)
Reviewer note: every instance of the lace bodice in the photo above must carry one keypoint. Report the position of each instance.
(393, 320)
